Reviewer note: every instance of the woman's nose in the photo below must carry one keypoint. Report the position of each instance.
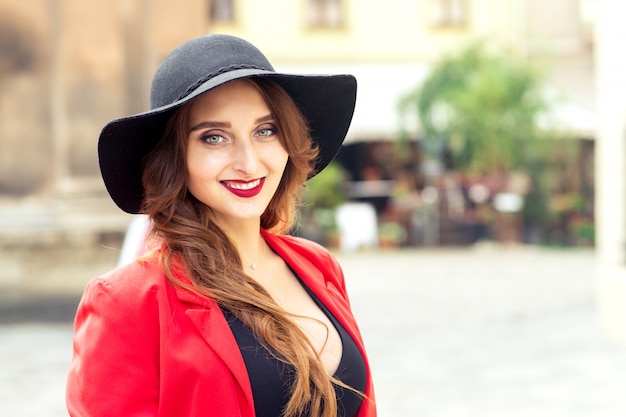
(245, 157)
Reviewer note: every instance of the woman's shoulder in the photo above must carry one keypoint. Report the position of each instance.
(305, 243)
(136, 279)
(301, 244)
(303, 248)
(126, 297)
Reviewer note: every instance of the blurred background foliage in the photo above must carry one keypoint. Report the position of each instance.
(481, 106)
(480, 113)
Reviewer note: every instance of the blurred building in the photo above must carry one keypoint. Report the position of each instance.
(68, 66)
(391, 48)
(610, 67)
(390, 45)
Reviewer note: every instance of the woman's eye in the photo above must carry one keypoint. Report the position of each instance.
(266, 131)
(212, 139)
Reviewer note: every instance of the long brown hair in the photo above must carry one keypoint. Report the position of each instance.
(212, 262)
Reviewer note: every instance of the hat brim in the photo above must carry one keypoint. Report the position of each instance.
(326, 101)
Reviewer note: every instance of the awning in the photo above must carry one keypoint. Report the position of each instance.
(380, 87)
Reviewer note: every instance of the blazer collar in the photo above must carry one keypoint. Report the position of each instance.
(210, 322)
(317, 276)
(213, 327)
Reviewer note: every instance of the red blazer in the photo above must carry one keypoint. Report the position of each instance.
(143, 347)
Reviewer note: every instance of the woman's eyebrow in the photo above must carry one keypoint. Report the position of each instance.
(211, 124)
(204, 125)
(263, 119)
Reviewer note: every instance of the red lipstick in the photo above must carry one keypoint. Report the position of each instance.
(245, 189)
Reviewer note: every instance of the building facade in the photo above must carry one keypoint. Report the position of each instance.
(68, 66)
(391, 45)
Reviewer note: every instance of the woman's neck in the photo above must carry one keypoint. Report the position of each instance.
(247, 239)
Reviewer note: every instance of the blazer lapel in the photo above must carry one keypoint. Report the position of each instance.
(208, 318)
(313, 275)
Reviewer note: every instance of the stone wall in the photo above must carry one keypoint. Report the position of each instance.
(69, 66)
(66, 68)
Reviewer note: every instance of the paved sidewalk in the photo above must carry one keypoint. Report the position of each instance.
(34, 359)
(450, 333)
(486, 332)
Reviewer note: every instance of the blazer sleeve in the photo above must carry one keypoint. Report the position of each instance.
(114, 368)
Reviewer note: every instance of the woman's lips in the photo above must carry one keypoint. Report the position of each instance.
(244, 189)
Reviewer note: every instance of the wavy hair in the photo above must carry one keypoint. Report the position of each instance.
(196, 244)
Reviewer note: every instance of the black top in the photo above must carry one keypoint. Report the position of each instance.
(271, 379)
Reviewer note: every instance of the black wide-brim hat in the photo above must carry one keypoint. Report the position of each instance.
(195, 67)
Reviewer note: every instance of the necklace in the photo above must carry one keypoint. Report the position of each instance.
(262, 253)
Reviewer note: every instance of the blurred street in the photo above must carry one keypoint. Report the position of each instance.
(484, 331)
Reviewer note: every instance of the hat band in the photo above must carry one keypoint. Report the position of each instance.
(210, 75)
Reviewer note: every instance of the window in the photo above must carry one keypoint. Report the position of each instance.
(325, 13)
(222, 11)
(448, 13)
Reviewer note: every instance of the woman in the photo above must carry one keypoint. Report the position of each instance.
(225, 315)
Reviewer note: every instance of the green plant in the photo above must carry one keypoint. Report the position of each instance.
(391, 232)
(321, 196)
(325, 189)
(480, 106)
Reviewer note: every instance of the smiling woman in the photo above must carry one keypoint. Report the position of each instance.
(224, 314)
(235, 158)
